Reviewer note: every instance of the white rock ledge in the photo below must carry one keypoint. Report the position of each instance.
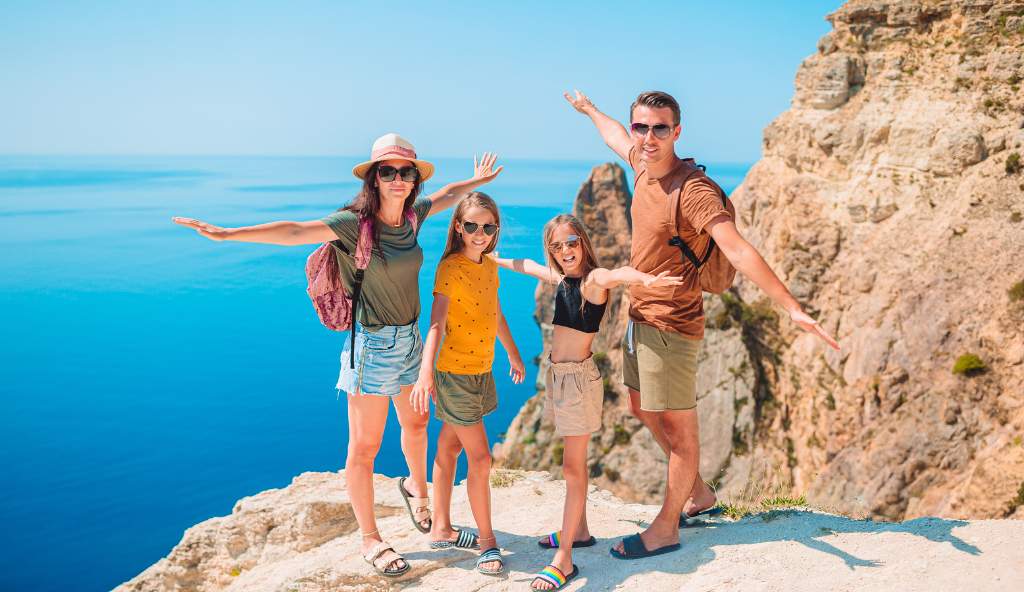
(303, 538)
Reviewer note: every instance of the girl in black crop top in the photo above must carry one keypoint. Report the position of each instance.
(580, 302)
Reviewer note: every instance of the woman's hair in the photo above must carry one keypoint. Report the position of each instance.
(477, 199)
(367, 202)
(590, 262)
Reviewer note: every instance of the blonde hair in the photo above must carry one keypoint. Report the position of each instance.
(590, 262)
(481, 200)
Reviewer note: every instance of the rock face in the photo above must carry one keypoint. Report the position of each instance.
(890, 199)
(303, 538)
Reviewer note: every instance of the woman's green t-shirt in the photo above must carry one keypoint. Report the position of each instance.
(390, 293)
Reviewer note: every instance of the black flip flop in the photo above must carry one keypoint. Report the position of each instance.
(553, 541)
(709, 512)
(634, 548)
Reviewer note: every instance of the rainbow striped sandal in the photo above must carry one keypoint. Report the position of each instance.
(554, 576)
(554, 539)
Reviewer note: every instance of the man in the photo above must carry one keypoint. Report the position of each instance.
(666, 325)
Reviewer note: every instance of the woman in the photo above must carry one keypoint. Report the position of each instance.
(388, 346)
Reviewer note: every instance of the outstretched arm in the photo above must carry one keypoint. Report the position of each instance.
(517, 370)
(272, 233)
(449, 195)
(423, 390)
(611, 278)
(531, 268)
(611, 131)
(749, 262)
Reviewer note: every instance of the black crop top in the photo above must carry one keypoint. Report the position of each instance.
(567, 308)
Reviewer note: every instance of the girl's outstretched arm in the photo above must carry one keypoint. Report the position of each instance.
(423, 390)
(611, 278)
(531, 268)
(272, 233)
(517, 370)
(449, 195)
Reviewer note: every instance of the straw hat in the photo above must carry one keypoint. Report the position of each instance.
(391, 146)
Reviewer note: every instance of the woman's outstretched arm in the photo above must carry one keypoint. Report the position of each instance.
(271, 233)
(530, 268)
(449, 195)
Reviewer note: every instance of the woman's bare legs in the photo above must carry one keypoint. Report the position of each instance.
(367, 415)
(414, 442)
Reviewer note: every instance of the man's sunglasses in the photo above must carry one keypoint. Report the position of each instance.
(387, 173)
(661, 130)
(572, 241)
(472, 227)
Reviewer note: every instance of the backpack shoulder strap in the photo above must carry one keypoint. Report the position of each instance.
(364, 243)
(677, 241)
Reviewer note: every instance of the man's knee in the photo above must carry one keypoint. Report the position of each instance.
(681, 430)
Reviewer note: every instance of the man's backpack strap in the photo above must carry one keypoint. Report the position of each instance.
(677, 241)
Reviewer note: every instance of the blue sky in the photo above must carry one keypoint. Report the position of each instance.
(328, 77)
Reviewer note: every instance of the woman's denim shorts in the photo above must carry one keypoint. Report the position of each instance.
(386, 359)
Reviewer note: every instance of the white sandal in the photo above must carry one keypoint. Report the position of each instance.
(383, 557)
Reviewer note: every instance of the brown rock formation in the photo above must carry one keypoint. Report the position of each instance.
(890, 199)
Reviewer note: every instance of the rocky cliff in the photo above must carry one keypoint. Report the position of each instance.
(890, 198)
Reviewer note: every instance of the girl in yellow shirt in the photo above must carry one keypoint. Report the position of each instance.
(467, 314)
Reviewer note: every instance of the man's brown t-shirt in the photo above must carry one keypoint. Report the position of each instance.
(676, 308)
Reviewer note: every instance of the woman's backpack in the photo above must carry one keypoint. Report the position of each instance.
(332, 302)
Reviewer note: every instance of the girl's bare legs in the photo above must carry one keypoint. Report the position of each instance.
(414, 442)
(367, 415)
(448, 449)
(574, 519)
(478, 487)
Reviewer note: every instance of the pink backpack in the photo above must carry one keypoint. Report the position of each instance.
(335, 307)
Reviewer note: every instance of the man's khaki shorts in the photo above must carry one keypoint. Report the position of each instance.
(574, 397)
(661, 365)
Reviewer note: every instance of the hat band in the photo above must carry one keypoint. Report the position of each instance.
(398, 150)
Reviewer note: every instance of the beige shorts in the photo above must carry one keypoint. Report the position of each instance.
(464, 399)
(662, 365)
(574, 397)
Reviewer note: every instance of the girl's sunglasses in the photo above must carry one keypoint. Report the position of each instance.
(572, 241)
(472, 227)
(661, 130)
(387, 173)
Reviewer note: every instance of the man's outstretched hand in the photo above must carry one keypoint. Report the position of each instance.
(810, 325)
(580, 103)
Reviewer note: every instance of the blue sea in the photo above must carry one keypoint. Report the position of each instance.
(152, 377)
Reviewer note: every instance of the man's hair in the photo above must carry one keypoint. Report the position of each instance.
(657, 100)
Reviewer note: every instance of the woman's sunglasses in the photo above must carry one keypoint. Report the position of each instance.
(387, 173)
(661, 130)
(572, 241)
(472, 227)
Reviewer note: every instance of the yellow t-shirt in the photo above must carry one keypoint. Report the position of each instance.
(472, 290)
